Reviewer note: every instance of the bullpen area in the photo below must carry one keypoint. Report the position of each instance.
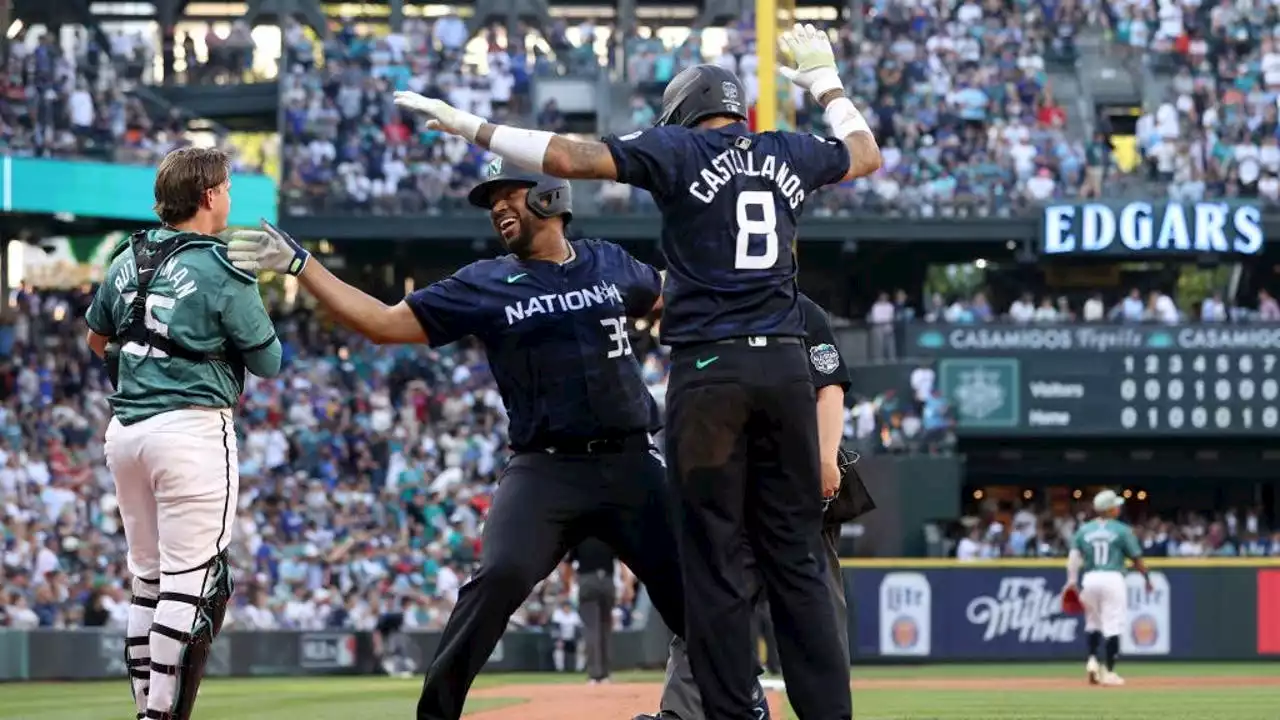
(1155, 691)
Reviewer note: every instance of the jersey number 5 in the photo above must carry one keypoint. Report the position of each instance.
(617, 328)
(748, 227)
(152, 323)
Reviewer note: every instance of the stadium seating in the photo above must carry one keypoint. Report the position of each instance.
(408, 440)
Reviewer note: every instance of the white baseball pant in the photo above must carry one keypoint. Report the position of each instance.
(1106, 602)
(177, 482)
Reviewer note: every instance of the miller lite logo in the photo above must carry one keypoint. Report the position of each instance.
(906, 611)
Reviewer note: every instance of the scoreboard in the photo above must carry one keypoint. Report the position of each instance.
(1106, 380)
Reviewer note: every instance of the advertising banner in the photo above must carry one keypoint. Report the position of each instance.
(111, 190)
(1143, 229)
(1269, 612)
(1103, 380)
(974, 613)
(327, 651)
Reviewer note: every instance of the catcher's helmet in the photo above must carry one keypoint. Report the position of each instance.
(548, 196)
(700, 92)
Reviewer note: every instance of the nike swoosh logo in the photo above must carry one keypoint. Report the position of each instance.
(513, 278)
(702, 364)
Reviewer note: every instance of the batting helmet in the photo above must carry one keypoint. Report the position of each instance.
(700, 92)
(548, 196)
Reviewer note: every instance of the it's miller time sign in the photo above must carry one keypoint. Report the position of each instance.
(1149, 229)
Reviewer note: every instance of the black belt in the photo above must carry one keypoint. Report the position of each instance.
(761, 340)
(757, 341)
(639, 442)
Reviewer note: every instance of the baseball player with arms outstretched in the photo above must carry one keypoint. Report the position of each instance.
(742, 441)
(1100, 548)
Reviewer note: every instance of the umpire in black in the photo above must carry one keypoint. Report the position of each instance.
(592, 565)
(845, 497)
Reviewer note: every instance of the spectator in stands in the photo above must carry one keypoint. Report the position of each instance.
(1268, 308)
(1213, 309)
(881, 318)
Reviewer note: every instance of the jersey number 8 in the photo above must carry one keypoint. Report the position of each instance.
(766, 224)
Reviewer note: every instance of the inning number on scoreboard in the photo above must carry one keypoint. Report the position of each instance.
(1215, 391)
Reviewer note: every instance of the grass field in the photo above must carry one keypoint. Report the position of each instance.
(975, 692)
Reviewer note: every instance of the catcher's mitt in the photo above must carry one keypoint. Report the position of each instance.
(1071, 604)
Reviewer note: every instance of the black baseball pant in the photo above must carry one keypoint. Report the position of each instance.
(545, 505)
(742, 449)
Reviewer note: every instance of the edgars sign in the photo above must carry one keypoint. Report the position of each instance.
(1152, 229)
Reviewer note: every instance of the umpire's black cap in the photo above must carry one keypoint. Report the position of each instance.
(700, 92)
(548, 196)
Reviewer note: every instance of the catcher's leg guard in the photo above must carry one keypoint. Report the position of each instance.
(137, 642)
(189, 614)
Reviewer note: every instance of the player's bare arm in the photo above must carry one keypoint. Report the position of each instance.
(830, 430)
(534, 150)
(1141, 566)
(273, 249)
(354, 309)
(1075, 561)
(809, 50)
(97, 343)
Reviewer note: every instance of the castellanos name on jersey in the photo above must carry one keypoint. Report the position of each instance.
(735, 162)
(574, 300)
(740, 161)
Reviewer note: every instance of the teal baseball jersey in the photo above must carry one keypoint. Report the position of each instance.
(1106, 545)
(200, 301)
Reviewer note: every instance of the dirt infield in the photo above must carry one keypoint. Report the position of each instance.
(621, 701)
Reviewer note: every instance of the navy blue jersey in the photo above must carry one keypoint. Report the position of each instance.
(730, 202)
(556, 337)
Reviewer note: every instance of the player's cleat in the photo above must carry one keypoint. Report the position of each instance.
(1112, 679)
(1093, 671)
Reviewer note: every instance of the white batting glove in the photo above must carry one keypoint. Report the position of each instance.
(267, 249)
(810, 61)
(441, 115)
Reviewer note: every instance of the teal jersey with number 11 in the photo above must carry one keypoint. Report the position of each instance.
(1106, 545)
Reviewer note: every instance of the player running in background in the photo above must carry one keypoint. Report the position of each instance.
(178, 325)
(741, 429)
(1100, 548)
(552, 316)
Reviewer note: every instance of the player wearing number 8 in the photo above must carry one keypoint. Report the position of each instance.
(1101, 548)
(741, 428)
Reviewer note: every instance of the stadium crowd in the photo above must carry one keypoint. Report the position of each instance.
(365, 476)
(888, 315)
(72, 99)
(1022, 530)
